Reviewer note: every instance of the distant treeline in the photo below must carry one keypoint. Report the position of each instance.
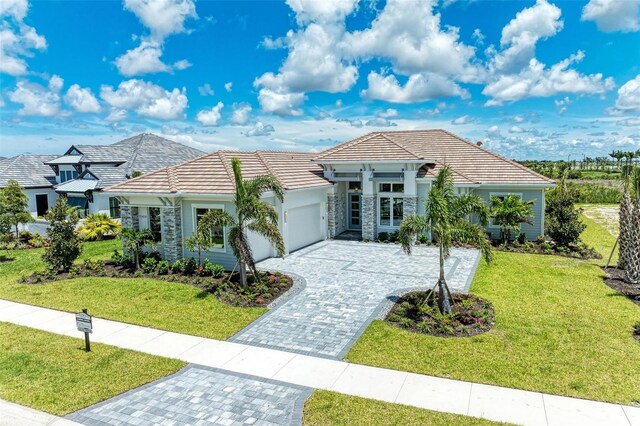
(617, 164)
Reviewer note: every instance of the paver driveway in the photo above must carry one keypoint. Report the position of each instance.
(346, 284)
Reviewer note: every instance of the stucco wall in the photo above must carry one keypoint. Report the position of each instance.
(100, 203)
(52, 196)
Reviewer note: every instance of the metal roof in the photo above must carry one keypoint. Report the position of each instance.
(76, 185)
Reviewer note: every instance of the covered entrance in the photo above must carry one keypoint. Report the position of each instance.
(355, 212)
(42, 204)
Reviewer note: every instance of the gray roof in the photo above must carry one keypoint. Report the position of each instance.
(66, 159)
(111, 164)
(76, 185)
(29, 170)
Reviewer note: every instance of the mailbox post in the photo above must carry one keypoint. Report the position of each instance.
(85, 325)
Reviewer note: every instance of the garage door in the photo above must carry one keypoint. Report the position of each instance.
(305, 226)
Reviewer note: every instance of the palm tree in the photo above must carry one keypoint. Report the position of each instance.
(134, 241)
(96, 226)
(509, 213)
(446, 219)
(252, 215)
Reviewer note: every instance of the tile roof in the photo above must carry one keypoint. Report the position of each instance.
(212, 174)
(371, 147)
(29, 170)
(471, 163)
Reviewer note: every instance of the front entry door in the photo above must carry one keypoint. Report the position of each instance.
(42, 204)
(355, 210)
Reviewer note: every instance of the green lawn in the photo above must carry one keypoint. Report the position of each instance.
(168, 306)
(329, 408)
(52, 373)
(559, 329)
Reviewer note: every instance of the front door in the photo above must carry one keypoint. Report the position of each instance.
(42, 204)
(355, 210)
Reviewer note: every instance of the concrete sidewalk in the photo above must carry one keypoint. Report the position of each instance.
(438, 394)
(18, 415)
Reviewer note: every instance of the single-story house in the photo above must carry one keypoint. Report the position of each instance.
(36, 179)
(83, 171)
(366, 185)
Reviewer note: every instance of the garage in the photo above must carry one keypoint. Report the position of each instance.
(305, 226)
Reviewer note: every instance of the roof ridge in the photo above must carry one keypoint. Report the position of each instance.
(401, 146)
(346, 145)
(444, 163)
(173, 179)
(266, 166)
(134, 155)
(500, 157)
(226, 168)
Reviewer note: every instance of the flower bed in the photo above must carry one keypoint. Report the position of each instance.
(26, 240)
(541, 246)
(471, 315)
(208, 277)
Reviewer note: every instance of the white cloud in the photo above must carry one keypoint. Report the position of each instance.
(465, 119)
(520, 35)
(353, 122)
(339, 103)
(516, 129)
(323, 11)
(228, 86)
(163, 18)
(413, 40)
(147, 99)
(17, 40)
(629, 95)
(418, 88)
(206, 90)
(380, 122)
(260, 129)
(494, 132)
(241, 114)
(562, 104)
(539, 81)
(613, 15)
(388, 113)
(478, 36)
(281, 103)
(81, 99)
(210, 117)
(36, 99)
(116, 115)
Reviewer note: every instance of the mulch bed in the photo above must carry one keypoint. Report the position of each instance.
(615, 280)
(471, 315)
(538, 248)
(227, 288)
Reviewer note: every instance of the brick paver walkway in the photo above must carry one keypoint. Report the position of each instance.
(346, 285)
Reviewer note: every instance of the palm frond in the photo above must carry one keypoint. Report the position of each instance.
(467, 204)
(470, 233)
(215, 218)
(444, 182)
(264, 183)
(410, 227)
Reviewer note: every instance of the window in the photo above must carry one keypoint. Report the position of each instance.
(391, 187)
(355, 186)
(114, 207)
(217, 233)
(66, 175)
(391, 211)
(155, 223)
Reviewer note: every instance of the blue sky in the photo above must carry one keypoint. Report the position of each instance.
(531, 79)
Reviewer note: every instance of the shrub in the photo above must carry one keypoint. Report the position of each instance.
(521, 238)
(25, 236)
(393, 237)
(178, 266)
(563, 222)
(97, 226)
(213, 270)
(190, 265)
(37, 241)
(383, 236)
(64, 247)
(163, 267)
(423, 239)
(149, 264)
(120, 259)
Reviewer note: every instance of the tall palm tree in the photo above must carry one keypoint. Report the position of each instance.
(446, 219)
(252, 215)
(509, 213)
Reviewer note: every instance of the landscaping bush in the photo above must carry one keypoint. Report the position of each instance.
(163, 267)
(592, 193)
(149, 264)
(213, 270)
(393, 237)
(423, 239)
(178, 266)
(383, 236)
(563, 222)
(97, 226)
(64, 246)
(190, 266)
(120, 259)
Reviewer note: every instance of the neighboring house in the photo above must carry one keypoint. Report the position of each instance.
(367, 185)
(84, 170)
(34, 176)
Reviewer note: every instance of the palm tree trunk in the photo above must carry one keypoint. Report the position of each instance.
(444, 304)
(243, 273)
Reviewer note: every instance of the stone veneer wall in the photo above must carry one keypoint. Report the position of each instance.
(336, 210)
(172, 233)
(409, 206)
(369, 228)
(129, 217)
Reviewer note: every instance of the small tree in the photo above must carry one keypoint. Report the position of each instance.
(446, 218)
(199, 241)
(97, 226)
(134, 241)
(14, 205)
(64, 246)
(562, 221)
(509, 213)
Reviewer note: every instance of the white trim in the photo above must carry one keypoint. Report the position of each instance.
(194, 218)
(501, 194)
(522, 186)
(391, 196)
(365, 161)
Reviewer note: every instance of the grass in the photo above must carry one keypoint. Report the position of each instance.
(155, 303)
(52, 373)
(330, 408)
(559, 329)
